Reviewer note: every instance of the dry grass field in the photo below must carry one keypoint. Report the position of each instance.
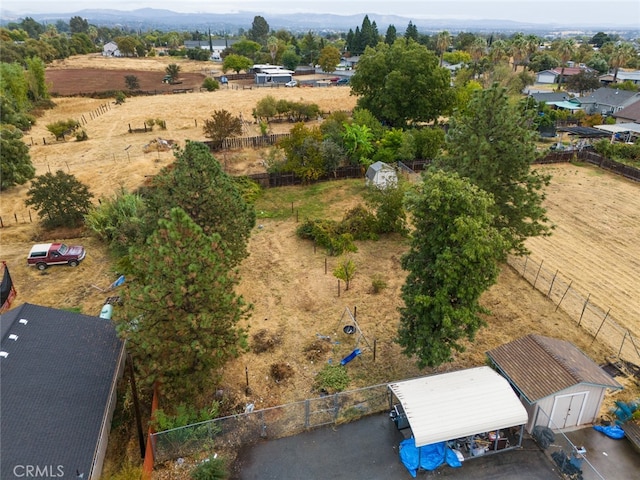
(595, 243)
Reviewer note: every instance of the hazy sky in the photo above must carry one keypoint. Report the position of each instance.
(604, 12)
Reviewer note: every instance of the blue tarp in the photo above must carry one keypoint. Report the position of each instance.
(612, 431)
(427, 457)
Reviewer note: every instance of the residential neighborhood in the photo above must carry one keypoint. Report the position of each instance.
(402, 248)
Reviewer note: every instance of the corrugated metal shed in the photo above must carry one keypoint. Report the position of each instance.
(458, 404)
(541, 366)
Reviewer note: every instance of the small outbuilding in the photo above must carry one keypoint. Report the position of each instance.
(559, 386)
(381, 175)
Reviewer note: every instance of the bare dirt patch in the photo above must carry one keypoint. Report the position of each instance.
(86, 80)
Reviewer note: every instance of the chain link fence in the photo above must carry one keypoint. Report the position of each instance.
(237, 431)
(563, 293)
(570, 460)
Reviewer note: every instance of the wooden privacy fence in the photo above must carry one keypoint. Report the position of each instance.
(233, 143)
(627, 171)
(594, 319)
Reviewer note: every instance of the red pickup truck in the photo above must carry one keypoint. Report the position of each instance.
(44, 254)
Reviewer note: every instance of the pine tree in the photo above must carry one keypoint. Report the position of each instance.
(181, 312)
(196, 183)
(492, 144)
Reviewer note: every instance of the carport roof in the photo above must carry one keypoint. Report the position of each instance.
(584, 132)
(458, 404)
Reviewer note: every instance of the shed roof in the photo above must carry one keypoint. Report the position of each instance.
(630, 112)
(57, 380)
(458, 404)
(540, 366)
(377, 167)
(583, 132)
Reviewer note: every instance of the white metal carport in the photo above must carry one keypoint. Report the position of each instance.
(458, 404)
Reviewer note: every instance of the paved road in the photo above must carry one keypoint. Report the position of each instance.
(368, 449)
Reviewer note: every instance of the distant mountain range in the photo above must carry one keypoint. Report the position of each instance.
(149, 18)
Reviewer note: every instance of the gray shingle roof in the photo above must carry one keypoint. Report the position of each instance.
(608, 96)
(56, 384)
(550, 96)
(541, 366)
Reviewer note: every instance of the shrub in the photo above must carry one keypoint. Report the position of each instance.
(212, 468)
(326, 234)
(332, 379)
(63, 127)
(378, 284)
(150, 122)
(120, 98)
(360, 223)
(81, 136)
(210, 84)
(161, 123)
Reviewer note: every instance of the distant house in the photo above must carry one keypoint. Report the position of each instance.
(348, 63)
(623, 76)
(59, 377)
(381, 175)
(553, 76)
(266, 74)
(607, 101)
(110, 49)
(559, 386)
(217, 46)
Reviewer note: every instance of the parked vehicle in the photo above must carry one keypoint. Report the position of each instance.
(44, 254)
(291, 83)
(343, 81)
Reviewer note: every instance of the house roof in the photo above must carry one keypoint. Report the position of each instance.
(458, 404)
(59, 371)
(540, 366)
(550, 96)
(620, 128)
(568, 71)
(608, 96)
(630, 112)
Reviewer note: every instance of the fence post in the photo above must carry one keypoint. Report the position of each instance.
(601, 324)
(325, 258)
(306, 413)
(538, 273)
(584, 307)
(563, 295)
(524, 270)
(551, 286)
(622, 344)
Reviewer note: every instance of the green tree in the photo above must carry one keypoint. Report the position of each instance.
(565, 50)
(222, 125)
(246, 48)
(621, 54)
(481, 146)
(303, 151)
(391, 36)
(78, 25)
(259, 31)
(181, 312)
(237, 63)
(196, 183)
(38, 90)
(345, 270)
(583, 82)
(15, 163)
(443, 40)
(131, 82)
(61, 199)
(210, 84)
(402, 84)
(118, 221)
(127, 45)
(358, 141)
(173, 72)
(14, 87)
(452, 260)
(388, 204)
(411, 33)
(329, 59)
(290, 59)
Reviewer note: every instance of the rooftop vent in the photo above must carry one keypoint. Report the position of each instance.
(4, 354)
(13, 337)
(24, 321)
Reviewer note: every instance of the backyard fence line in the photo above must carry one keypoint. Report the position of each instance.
(236, 431)
(588, 316)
